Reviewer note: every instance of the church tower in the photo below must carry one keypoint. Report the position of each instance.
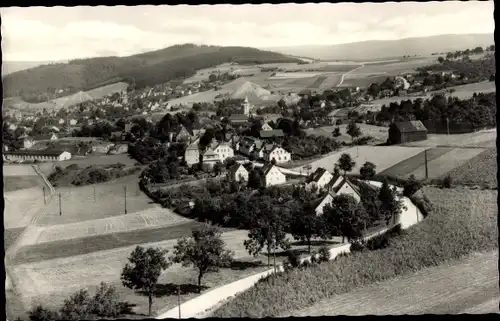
(246, 107)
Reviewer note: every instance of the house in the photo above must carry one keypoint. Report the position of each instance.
(238, 120)
(322, 202)
(271, 175)
(73, 122)
(249, 144)
(319, 179)
(12, 126)
(61, 121)
(271, 133)
(341, 114)
(217, 151)
(38, 155)
(119, 135)
(408, 131)
(277, 153)
(346, 187)
(181, 134)
(266, 127)
(118, 149)
(237, 173)
(192, 154)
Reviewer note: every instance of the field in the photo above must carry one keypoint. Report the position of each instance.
(481, 169)
(441, 290)
(462, 222)
(379, 133)
(439, 162)
(14, 183)
(484, 138)
(362, 80)
(375, 154)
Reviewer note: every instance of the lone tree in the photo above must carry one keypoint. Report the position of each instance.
(367, 171)
(144, 269)
(268, 230)
(345, 163)
(40, 313)
(336, 132)
(345, 216)
(205, 251)
(390, 205)
(353, 130)
(440, 60)
(304, 222)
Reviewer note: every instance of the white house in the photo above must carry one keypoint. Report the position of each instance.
(277, 153)
(61, 121)
(73, 122)
(272, 175)
(217, 151)
(346, 187)
(238, 173)
(266, 127)
(319, 179)
(323, 202)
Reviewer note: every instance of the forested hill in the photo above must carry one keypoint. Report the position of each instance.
(144, 69)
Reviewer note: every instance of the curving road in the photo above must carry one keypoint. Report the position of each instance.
(468, 286)
(350, 71)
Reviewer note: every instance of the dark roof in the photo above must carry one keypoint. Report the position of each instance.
(232, 170)
(314, 177)
(237, 117)
(271, 133)
(410, 126)
(266, 168)
(36, 152)
(345, 180)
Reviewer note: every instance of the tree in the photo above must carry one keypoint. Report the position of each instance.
(304, 224)
(390, 205)
(492, 77)
(205, 251)
(40, 313)
(217, 168)
(374, 89)
(143, 270)
(336, 132)
(268, 229)
(106, 301)
(411, 186)
(440, 60)
(344, 216)
(345, 163)
(77, 307)
(255, 179)
(212, 78)
(367, 171)
(353, 130)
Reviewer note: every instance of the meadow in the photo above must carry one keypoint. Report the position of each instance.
(482, 139)
(481, 170)
(15, 183)
(361, 154)
(446, 234)
(439, 162)
(377, 132)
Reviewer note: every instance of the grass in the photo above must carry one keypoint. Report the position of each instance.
(85, 245)
(21, 206)
(462, 222)
(441, 290)
(375, 154)
(15, 183)
(18, 170)
(486, 138)
(481, 169)
(406, 167)
(10, 235)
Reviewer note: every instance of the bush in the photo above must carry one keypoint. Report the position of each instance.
(358, 246)
(324, 254)
(447, 181)
(40, 313)
(463, 222)
(422, 202)
(293, 259)
(314, 259)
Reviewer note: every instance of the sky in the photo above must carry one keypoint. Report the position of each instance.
(61, 33)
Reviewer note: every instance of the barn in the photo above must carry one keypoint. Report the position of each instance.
(405, 132)
(38, 155)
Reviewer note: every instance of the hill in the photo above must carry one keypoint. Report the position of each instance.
(253, 92)
(9, 67)
(146, 69)
(376, 49)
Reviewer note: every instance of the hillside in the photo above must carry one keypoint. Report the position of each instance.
(376, 49)
(146, 69)
(251, 91)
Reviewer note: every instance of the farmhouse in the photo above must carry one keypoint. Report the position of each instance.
(28, 142)
(319, 179)
(341, 114)
(237, 173)
(249, 144)
(182, 133)
(192, 154)
(38, 155)
(277, 153)
(238, 120)
(266, 127)
(217, 151)
(271, 133)
(346, 187)
(271, 175)
(404, 132)
(320, 203)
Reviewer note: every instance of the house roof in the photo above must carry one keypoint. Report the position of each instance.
(314, 177)
(318, 201)
(410, 126)
(42, 137)
(238, 117)
(266, 168)
(193, 146)
(271, 133)
(345, 180)
(232, 170)
(36, 152)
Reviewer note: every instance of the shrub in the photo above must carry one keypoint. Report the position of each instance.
(463, 222)
(358, 246)
(422, 202)
(447, 181)
(292, 258)
(40, 313)
(411, 186)
(314, 259)
(324, 254)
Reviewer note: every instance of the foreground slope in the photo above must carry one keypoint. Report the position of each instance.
(468, 286)
(145, 69)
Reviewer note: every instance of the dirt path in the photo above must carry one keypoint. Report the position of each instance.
(467, 286)
(343, 75)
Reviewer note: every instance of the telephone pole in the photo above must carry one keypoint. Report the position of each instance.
(125, 193)
(94, 192)
(44, 201)
(179, 299)
(60, 206)
(426, 167)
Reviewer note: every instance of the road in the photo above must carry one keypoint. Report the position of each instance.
(343, 75)
(468, 286)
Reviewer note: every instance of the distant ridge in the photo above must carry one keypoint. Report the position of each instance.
(377, 49)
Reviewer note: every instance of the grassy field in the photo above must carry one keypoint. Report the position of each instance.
(10, 236)
(21, 206)
(462, 222)
(104, 91)
(48, 167)
(375, 154)
(363, 80)
(486, 138)
(379, 133)
(15, 183)
(481, 169)
(18, 170)
(439, 162)
(441, 290)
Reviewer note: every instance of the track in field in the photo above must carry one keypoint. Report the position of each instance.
(86, 245)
